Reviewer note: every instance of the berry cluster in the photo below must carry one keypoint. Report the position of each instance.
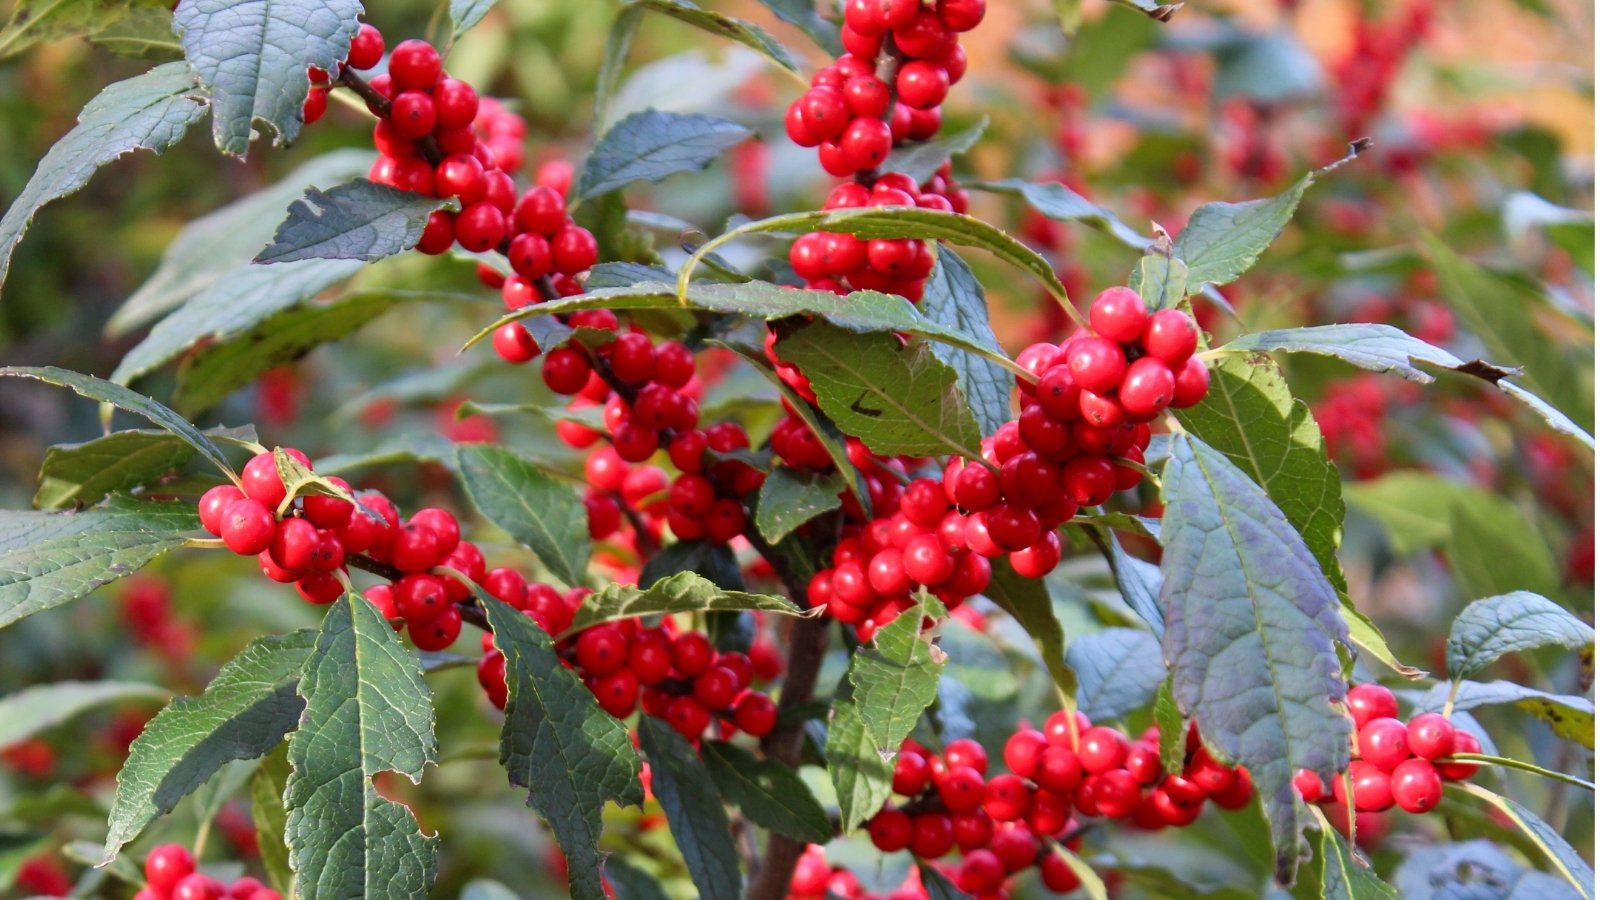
(1001, 824)
(815, 879)
(170, 874)
(1397, 763)
(308, 539)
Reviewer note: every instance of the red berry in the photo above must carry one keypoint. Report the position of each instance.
(924, 36)
(1171, 336)
(1192, 382)
(566, 370)
(602, 650)
(319, 588)
(910, 774)
(261, 481)
(413, 114)
(1060, 770)
(414, 64)
(196, 887)
(214, 503)
(1310, 786)
(315, 106)
(961, 15)
(419, 597)
(415, 549)
(1097, 364)
(439, 234)
(1057, 874)
(932, 835)
(1430, 736)
(890, 830)
(166, 866)
(618, 693)
(293, 544)
(573, 250)
(692, 653)
(1383, 743)
(437, 633)
(825, 112)
(981, 873)
(1461, 771)
(1417, 786)
(480, 227)
(688, 717)
(460, 176)
(1147, 388)
(926, 561)
(1102, 749)
(1007, 798)
(1371, 701)
(866, 142)
(867, 96)
(515, 344)
(366, 48)
(1038, 560)
(540, 211)
(1023, 752)
(1370, 787)
(248, 527)
(456, 103)
(755, 714)
(716, 687)
(922, 84)
(1117, 793)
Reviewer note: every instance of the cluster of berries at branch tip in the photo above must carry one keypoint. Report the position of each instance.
(170, 874)
(674, 674)
(309, 539)
(901, 58)
(1058, 779)
(816, 879)
(1396, 763)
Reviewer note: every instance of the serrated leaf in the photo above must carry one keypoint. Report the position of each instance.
(147, 112)
(737, 30)
(652, 145)
(897, 676)
(1252, 630)
(922, 159)
(897, 398)
(1057, 201)
(31, 710)
(466, 13)
(683, 592)
(769, 793)
(1162, 281)
(802, 14)
(1488, 556)
(954, 298)
(1344, 877)
(1569, 716)
(861, 775)
(213, 371)
(271, 819)
(213, 246)
(367, 710)
(144, 33)
(1494, 626)
(570, 755)
(1221, 241)
(231, 307)
(253, 54)
(1028, 601)
(78, 474)
(1119, 671)
(1173, 728)
(630, 883)
(1371, 346)
(695, 814)
(412, 447)
(51, 558)
(33, 21)
(359, 219)
(1561, 856)
(541, 513)
(790, 498)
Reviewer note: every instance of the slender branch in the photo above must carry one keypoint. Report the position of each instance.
(379, 105)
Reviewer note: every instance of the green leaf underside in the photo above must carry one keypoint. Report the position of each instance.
(953, 298)
(76, 474)
(769, 793)
(651, 145)
(557, 743)
(790, 498)
(1119, 670)
(253, 55)
(1059, 202)
(367, 711)
(803, 15)
(1252, 626)
(466, 13)
(36, 709)
(679, 593)
(1028, 601)
(695, 815)
(1371, 346)
(541, 513)
(355, 220)
(1494, 626)
(147, 112)
(1563, 859)
(737, 30)
(214, 246)
(861, 775)
(1569, 716)
(897, 676)
(898, 398)
(922, 159)
(242, 714)
(51, 558)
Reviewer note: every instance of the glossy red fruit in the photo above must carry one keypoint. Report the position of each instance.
(437, 633)
(866, 142)
(414, 65)
(1060, 771)
(961, 15)
(419, 597)
(439, 234)
(1370, 787)
(910, 774)
(1191, 383)
(480, 227)
(755, 714)
(416, 548)
(214, 503)
(293, 544)
(167, 865)
(248, 527)
(716, 687)
(1118, 314)
(890, 830)
(1383, 743)
(602, 650)
(1023, 751)
(1430, 736)
(1461, 771)
(573, 249)
(260, 479)
(688, 717)
(1006, 798)
(366, 49)
(932, 835)
(692, 653)
(981, 873)
(1310, 786)
(197, 887)
(1011, 528)
(515, 344)
(1057, 874)
(319, 588)
(1171, 336)
(566, 370)
(922, 84)
(413, 115)
(1097, 364)
(1102, 749)
(1038, 559)
(1416, 785)
(456, 103)
(1147, 388)
(1371, 701)
(1117, 793)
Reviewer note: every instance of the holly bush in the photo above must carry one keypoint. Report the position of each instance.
(892, 448)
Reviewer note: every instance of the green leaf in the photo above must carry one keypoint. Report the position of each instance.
(897, 677)
(1119, 670)
(1028, 601)
(210, 373)
(355, 220)
(31, 710)
(695, 814)
(1569, 716)
(230, 308)
(954, 298)
(922, 159)
(1563, 859)
(271, 819)
(619, 41)
(253, 55)
(411, 447)
(713, 561)
(861, 775)
(1273, 67)
(144, 33)
(569, 754)
(937, 886)
(1223, 240)
(737, 30)
(51, 558)
(1252, 630)
(541, 513)
(652, 145)
(1162, 281)
(78, 474)
(898, 398)
(1344, 877)
(367, 711)
(34, 21)
(802, 14)
(790, 498)
(1555, 418)
(147, 112)
(1057, 201)
(466, 13)
(683, 592)
(1494, 626)
(1139, 583)
(242, 714)
(1415, 508)
(1173, 728)
(1092, 886)
(1489, 555)
(1377, 348)
(212, 247)
(769, 793)
(629, 883)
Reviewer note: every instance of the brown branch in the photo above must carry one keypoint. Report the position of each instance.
(380, 105)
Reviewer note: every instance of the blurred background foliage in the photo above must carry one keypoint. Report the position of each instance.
(1483, 118)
